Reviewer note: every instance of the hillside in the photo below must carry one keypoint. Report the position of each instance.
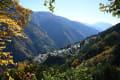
(104, 43)
(52, 40)
(61, 30)
(46, 32)
(97, 45)
(94, 58)
(99, 54)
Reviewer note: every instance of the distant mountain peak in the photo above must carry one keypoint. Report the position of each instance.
(101, 26)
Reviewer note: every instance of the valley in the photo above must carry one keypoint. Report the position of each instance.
(59, 40)
(47, 32)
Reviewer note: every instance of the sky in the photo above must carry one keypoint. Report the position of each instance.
(86, 11)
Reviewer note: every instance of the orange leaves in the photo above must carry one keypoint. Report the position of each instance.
(25, 76)
(75, 62)
(107, 47)
(29, 76)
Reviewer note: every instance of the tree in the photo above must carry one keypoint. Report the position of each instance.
(13, 19)
(112, 7)
(70, 74)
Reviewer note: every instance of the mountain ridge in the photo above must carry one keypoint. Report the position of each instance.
(46, 32)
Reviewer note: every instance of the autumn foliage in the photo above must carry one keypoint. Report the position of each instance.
(75, 62)
(13, 18)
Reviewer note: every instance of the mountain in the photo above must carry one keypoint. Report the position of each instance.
(37, 43)
(61, 30)
(46, 32)
(99, 54)
(101, 26)
(95, 58)
(102, 47)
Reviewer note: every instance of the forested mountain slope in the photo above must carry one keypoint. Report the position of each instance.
(99, 54)
(97, 48)
(61, 30)
(46, 32)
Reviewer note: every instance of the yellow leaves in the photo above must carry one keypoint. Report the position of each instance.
(11, 24)
(8, 53)
(21, 66)
(17, 34)
(11, 61)
(25, 37)
(9, 40)
(5, 54)
(3, 33)
(2, 43)
(3, 62)
(13, 18)
(10, 78)
(2, 47)
(5, 58)
(8, 29)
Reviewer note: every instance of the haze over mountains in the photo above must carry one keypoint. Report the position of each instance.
(46, 32)
(101, 26)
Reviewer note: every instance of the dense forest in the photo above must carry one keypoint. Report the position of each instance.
(94, 57)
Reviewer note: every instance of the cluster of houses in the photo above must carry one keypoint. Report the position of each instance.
(59, 52)
(41, 58)
(65, 51)
(68, 50)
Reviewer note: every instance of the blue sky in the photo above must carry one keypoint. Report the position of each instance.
(86, 11)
